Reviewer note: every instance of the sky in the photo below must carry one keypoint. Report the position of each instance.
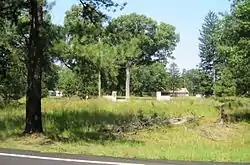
(186, 15)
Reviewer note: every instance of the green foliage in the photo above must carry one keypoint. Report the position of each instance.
(128, 51)
(51, 76)
(84, 53)
(233, 45)
(72, 85)
(67, 82)
(192, 81)
(140, 41)
(45, 91)
(12, 70)
(156, 41)
(14, 37)
(89, 48)
(83, 29)
(148, 79)
(174, 80)
(208, 52)
(224, 51)
(50, 79)
(224, 87)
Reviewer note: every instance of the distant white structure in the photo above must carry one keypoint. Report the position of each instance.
(113, 97)
(86, 97)
(159, 97)
(56, 93)
(198, 96)
(59, 93)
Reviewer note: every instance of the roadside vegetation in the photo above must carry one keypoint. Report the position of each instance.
(100, 127)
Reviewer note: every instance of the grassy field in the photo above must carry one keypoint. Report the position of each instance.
(73, 126)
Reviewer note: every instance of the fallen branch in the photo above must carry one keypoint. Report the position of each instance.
(140, 122)
(177, 121)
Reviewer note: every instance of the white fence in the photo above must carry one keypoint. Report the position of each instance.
(113, 97)
(159, 97)
(56, 93)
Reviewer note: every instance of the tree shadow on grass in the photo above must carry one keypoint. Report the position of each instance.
(11, 126)
(72, 126)
(10, 120)
(240, 116)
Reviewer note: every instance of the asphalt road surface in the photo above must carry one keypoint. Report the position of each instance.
(18, 157)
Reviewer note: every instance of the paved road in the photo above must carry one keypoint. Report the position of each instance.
(17, 157)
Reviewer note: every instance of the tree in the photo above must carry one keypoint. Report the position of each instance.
(233, 46)
(226, 86)
(128, 51)
(85, 51)
(130, 47)
(34, 64)
(208, 52)
(68, 82)
(12, 72)
(103, 57)
(183, 81)
(192, 78)
(34, 55)
(50, 79)
(155, 41)
(174, 81)
(36, 41)
(148, 78)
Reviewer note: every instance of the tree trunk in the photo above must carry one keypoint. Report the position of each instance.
(127, 82)
(141, 93)
(99, 84)
(34, 64)
(223, 116)
(33, 102)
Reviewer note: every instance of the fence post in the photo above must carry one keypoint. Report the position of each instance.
(158, 95)
(114, 95)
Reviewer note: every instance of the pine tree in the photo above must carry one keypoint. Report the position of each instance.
(208, 52)
(175, 79)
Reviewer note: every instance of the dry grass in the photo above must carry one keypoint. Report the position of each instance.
(71, 126)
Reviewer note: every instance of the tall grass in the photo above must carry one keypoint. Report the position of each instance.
(72, 126)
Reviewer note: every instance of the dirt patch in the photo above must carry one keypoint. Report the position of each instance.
(217, 132)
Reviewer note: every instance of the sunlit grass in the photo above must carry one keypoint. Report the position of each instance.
(71, 126)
